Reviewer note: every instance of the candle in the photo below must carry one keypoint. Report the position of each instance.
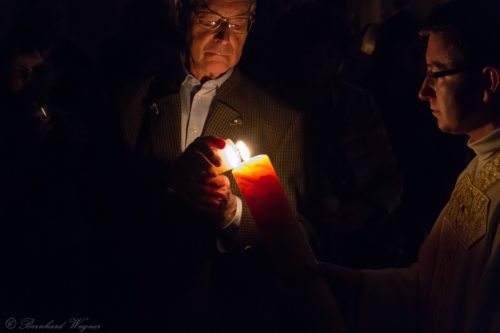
(260, 186)
(281, 233)
(258, 182)
(263, 193)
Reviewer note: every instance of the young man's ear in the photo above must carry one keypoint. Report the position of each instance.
(492, 80)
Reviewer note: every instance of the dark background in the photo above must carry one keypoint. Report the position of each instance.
(88, 23)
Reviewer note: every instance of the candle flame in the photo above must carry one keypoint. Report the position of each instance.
(230, 155)
(243, 149)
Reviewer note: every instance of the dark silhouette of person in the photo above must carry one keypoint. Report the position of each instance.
(352, 180)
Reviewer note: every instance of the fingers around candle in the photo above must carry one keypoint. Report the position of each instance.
(223, 210)
(207, 164)
(215, 142)
(206, 146)
(220, 181)
(211, 187)
(192, 162)
(213, 205)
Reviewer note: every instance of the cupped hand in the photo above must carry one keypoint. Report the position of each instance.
(198, 160)
(198, 183)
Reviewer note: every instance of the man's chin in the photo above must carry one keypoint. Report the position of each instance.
(217, 68)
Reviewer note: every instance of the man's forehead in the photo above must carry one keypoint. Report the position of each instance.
(235, 6)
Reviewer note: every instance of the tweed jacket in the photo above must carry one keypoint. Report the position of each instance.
(151, 125)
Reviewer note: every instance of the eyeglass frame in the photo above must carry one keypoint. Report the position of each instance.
(224, 20)
(432, 76)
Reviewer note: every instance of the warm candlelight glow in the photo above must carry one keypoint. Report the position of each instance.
(230, 157)
(243, 150)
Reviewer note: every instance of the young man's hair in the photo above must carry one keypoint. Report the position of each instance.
(473, 29)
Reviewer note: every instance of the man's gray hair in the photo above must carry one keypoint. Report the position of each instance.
(182, 5)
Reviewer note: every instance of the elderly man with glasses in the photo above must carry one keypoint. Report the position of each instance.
(204, 238)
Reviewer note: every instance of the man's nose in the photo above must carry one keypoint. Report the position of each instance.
(426, 92)
(223, 33)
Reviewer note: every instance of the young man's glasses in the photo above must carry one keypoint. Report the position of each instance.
(210, 20)
(433, 76)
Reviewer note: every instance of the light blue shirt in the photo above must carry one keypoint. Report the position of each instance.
(196, 99)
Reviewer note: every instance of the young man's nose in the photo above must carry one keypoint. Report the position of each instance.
(426, 92)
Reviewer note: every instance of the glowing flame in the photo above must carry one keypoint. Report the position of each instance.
(230, 155)
(244, 152)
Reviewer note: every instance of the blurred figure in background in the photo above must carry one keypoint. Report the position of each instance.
(396, 70)
(352, 180)
(44, 235)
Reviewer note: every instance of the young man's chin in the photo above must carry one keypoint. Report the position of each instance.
(443, 127)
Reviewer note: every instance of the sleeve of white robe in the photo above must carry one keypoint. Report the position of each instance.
(486, 316)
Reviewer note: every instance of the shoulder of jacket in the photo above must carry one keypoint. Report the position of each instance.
(254, 94)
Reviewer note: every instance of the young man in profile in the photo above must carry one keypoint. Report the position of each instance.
(454, 285)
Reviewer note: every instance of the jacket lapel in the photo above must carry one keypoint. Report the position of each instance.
(222, 121)
(166, 128)
(165, 119)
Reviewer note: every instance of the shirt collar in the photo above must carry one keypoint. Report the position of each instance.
(486, 145)
(207, 85)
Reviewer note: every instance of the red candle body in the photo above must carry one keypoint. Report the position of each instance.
(262, 191)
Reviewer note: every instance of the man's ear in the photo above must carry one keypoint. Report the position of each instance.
(492, 80)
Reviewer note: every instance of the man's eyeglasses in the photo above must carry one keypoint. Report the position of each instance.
(212, 21)
(431, 77)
